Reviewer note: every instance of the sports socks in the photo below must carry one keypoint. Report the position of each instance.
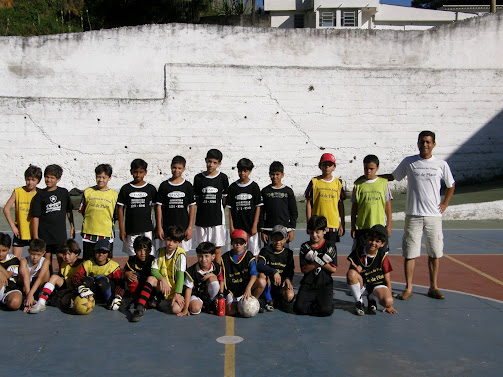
(213, 289)
(46, 292)
(266, 294)
(356, 292)
(145, 295)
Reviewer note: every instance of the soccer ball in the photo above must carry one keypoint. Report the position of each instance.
(83, 305)
(249, 307)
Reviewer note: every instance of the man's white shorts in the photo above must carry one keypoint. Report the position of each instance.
(127, 245)
(414, 228)
(213, 234)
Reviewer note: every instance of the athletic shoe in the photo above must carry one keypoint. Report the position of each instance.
(435, 293)
(372, 306)
(37, 308)
(137, 315)
(359, 308)
(269, 306)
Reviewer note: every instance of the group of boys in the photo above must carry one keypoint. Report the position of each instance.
(161, 279)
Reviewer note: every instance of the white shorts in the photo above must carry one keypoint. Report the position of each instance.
(193, 298)
(414, 228)
(254, 244)
(127, 245)
(213, 234)
(3, 294)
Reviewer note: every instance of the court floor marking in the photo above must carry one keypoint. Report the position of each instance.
(493, 279)
(230, 349)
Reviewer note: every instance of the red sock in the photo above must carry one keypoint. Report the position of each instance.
(145, 294)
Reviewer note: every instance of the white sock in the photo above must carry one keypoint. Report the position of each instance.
(49, 287)
(356, 292)
(213, 289)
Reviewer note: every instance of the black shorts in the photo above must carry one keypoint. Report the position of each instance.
(18, 242)
(332, 236)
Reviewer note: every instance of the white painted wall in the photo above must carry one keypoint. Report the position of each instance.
(160, 90)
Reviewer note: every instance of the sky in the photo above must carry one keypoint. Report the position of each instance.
(405, 3)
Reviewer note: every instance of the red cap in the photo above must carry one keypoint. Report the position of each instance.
(327, 157)
(239, 233)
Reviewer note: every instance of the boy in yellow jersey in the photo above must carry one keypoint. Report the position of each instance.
(324, 196)
(371, 203)
(168, 275)
(102, 276)
(98, 209)
(21, 199)
(62, 282)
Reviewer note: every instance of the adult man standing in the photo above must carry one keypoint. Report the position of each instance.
(424, 208)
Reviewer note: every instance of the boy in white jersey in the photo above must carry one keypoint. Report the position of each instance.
(33, 272)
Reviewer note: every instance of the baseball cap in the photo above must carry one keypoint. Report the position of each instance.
(239, 233)
(380, 229)
(327, 157)
(102, 245)
(279, 229)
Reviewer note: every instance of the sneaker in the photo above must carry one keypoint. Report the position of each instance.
(269, 306)
(359, 308)
(372, 306)
(37, 308)
(137, 315)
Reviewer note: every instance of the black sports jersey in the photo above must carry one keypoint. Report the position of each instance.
(280, 207)
(373, 270)
(11, 263)
(236, 275)
(208, 192)
(51, 208)
(319, 277)
(200, 289)
(281, 261)
(175, 200)
(137, 202)
(143, 268)
(243, 200)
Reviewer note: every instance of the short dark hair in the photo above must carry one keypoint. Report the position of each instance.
(178, 160)
(104, 168)
(214, 153)
(245, 164)
(426, 133)
(276, 166)
(5, 240)
(317, 223)
(33, 171)
(138, 163)
(371, 158)
(69, 245)
(142, 242)
(175, 233)
(54, 170)
(37, 244)
(375, 235)
(206, 248)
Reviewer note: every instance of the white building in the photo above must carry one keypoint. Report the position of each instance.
(363, 14)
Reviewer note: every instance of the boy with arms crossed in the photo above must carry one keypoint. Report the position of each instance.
(244, 201)
(98, 209)
(33, 272)
(136, 199)
(324, 197)
(210, 191)
(62, 282)
(168, 274)
(369, 273)
(318, 261)
(201, 282)
(280, 207)
(10, 295)
(175, 203)
(49, 209)
(21, 199)
(239, 272)
(371, 202)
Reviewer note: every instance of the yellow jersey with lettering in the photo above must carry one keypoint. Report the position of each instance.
(98, 208)
(169, 265)
(22, 210)
(371, 202)
(325, 200)
(94, 270)
(67, 271)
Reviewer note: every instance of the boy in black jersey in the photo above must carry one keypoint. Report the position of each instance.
(10, 295)
(280, 207)
(318, 261)
(201, 281)
(244, 201)
(210, 191)
(175, 203)
(239, 272)
(275, 263)
(369, 273)
(138, 268)
(136, 198)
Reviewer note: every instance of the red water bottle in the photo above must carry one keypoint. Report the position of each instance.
(221, 307)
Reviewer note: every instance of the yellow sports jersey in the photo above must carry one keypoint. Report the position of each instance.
(67, 271)
(371, 201)
(23, 219)
(98, 208)
(93, 270)
(326, 200)
(168, 266)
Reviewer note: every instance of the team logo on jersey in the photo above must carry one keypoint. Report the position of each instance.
(138, 194)
(54, 205)
(210, 190)
(53, 198)
(176, 194)
(244, 196)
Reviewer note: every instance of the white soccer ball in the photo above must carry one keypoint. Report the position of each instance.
(249, 307)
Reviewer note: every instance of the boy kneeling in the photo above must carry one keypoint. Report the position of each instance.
(369, 273)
